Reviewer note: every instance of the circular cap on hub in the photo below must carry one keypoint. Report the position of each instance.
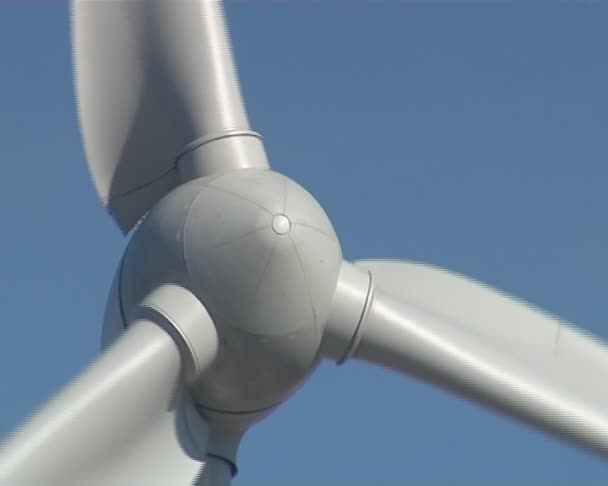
(281, 224)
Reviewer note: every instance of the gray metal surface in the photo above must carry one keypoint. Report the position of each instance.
(349, 309)
(157, 88)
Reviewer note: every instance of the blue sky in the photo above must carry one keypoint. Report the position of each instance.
(472, 136)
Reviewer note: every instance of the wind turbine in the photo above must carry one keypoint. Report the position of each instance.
(281, 222)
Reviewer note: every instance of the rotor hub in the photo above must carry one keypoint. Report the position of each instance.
(262, 256)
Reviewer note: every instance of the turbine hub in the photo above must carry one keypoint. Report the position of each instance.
(262, 256)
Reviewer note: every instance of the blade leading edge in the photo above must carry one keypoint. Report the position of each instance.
(487, 347)
(158, 94)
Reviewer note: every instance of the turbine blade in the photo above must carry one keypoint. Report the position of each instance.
(487, 347)
(125, 420)
(157, 90)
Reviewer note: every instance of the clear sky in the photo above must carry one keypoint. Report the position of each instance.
(473, 136)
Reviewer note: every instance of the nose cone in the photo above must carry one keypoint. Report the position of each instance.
(262, 253)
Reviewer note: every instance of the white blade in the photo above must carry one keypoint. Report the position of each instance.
(485, 346)
(156, 83)
(126, 420)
